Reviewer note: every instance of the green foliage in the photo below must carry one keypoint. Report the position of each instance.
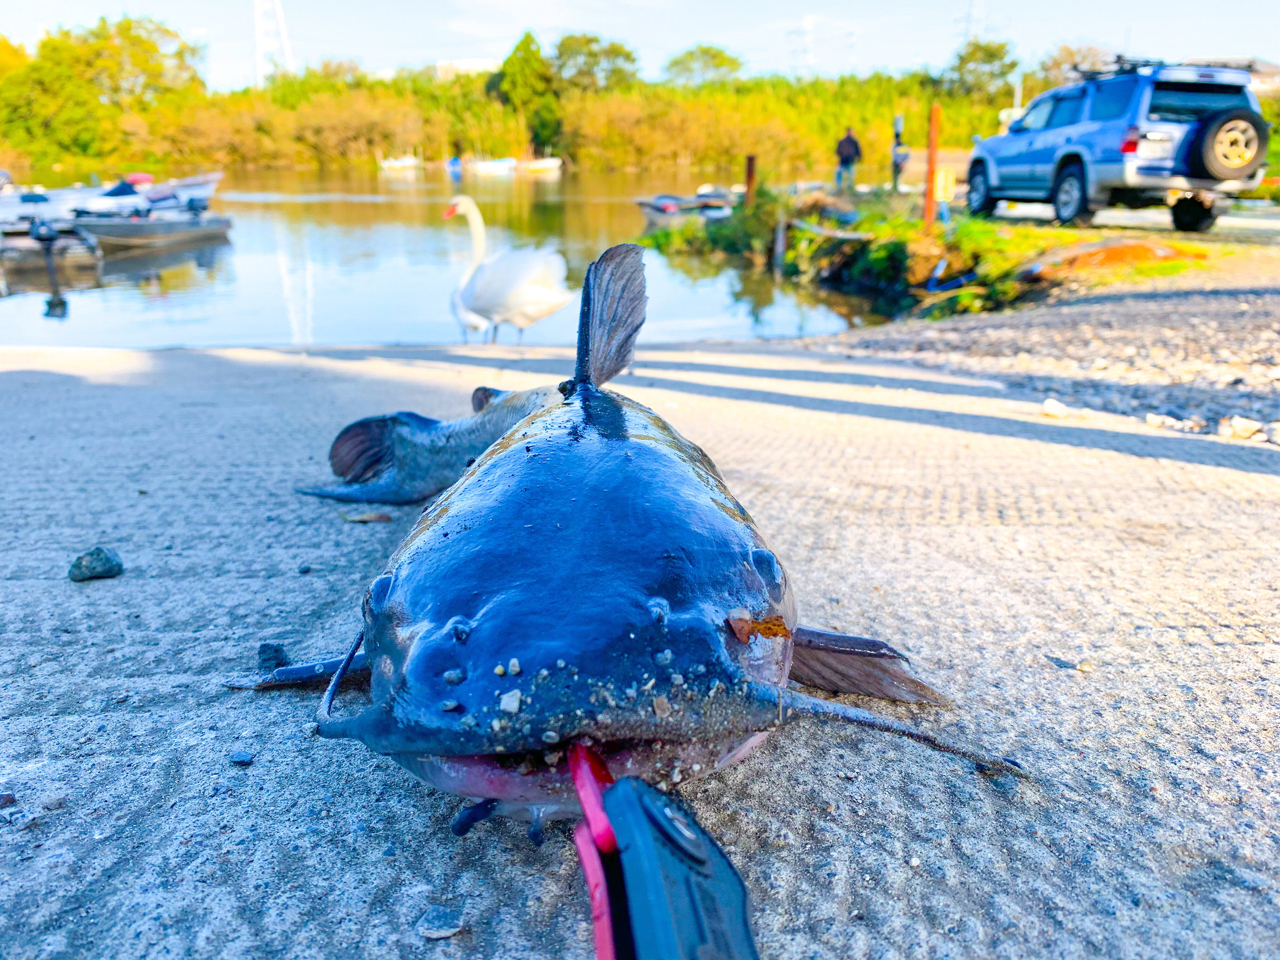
(702, 65)
(87, 92)
(585, 63)
(981, 69)
(526, 82)
(127, 93)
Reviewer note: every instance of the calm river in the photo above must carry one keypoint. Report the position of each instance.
(346, 259)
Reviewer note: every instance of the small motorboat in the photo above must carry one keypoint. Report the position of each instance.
(504, 167)
(543, 166)
(115, 232)
(709, 203)
(399, 164)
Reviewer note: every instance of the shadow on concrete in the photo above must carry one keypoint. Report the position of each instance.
(1186, 449)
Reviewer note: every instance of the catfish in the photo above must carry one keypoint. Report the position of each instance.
(590, 578)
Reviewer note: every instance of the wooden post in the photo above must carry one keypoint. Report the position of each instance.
(930, 199)
(751, 179)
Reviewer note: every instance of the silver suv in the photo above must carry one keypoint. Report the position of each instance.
(1141, 135)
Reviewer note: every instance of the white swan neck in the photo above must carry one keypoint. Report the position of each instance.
(475, 222)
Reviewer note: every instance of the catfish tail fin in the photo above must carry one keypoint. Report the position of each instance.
(613, 306)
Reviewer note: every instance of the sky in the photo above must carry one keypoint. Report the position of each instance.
(808, 37)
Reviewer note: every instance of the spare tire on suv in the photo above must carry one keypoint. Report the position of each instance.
(1230, 145)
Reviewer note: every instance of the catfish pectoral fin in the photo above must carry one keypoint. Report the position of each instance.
(387, 488)
(299, 673)
(798, 705)
(845, 664)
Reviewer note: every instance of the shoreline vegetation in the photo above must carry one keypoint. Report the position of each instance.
(128, 94)
(899, 268)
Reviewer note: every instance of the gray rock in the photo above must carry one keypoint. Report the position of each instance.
(271, 656)
(241, 758)
(100, 563)
(439, 922)
(7, 800)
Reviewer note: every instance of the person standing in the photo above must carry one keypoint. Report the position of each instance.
(848, 153)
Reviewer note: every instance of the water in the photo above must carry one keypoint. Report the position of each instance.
(356, 259)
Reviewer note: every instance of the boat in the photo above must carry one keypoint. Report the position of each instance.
(543, 166)
(134, 192)
(116, 233)
(399, 164)
(504, 167)
(709, 203)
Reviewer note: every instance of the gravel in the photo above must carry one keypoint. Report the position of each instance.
(1182, 359)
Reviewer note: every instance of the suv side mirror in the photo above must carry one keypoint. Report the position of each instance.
(1018, 126)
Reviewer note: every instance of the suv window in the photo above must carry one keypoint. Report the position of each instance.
(1037, 114)
(1066, 111)
(1111, 98)
(1187, 102)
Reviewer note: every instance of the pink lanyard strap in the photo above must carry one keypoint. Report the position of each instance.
(593, 836)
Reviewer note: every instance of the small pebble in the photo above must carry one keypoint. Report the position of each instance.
(7, 800)
(661, 707)
(1085, 666)
(550, 736)
(241, 758)
(271, 656)
(915, 861)
(56, 803)
(305, 568)
(439, 923)
(454, 677)
(513, 667)
(509, 702)
(448, 706)
(100, 563)
(663, 658)
(390, 850)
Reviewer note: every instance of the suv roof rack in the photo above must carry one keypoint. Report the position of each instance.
(1122, 65)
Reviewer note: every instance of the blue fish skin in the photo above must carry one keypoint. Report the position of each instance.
(600, 551)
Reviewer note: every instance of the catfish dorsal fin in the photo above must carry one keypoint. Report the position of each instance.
(613, 305)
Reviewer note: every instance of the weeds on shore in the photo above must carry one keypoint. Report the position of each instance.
(900, 267)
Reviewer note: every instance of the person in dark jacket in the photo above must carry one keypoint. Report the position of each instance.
(848, 152)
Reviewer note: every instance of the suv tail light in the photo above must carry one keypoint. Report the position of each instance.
(1130, 142)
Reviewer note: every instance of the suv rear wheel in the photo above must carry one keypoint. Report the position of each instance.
(1071, 197)
(1231, 145)
(1192, 216)
(981, 203)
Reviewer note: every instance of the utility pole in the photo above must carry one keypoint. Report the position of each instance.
(931, 173)
(751, 180)
(271, 40)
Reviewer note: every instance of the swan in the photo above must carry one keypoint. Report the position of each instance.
(518, 287)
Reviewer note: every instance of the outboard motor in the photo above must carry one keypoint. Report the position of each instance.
(44, 233)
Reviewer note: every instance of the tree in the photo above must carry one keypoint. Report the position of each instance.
(584, 62)
(981, 69)
(88, 92)
(1058, 67)
(12, 57)
(526, 82)
(701, 65)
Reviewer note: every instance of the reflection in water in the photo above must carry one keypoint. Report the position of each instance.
(301, 315)
(350, 258)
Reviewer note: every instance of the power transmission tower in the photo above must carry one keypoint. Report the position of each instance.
(271, 40)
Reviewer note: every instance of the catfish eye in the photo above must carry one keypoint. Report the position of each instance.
(377, 598)
(770, 571)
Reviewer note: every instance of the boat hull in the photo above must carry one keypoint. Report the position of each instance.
(133, 234)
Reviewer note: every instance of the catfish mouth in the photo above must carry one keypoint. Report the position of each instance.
(541, 779)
